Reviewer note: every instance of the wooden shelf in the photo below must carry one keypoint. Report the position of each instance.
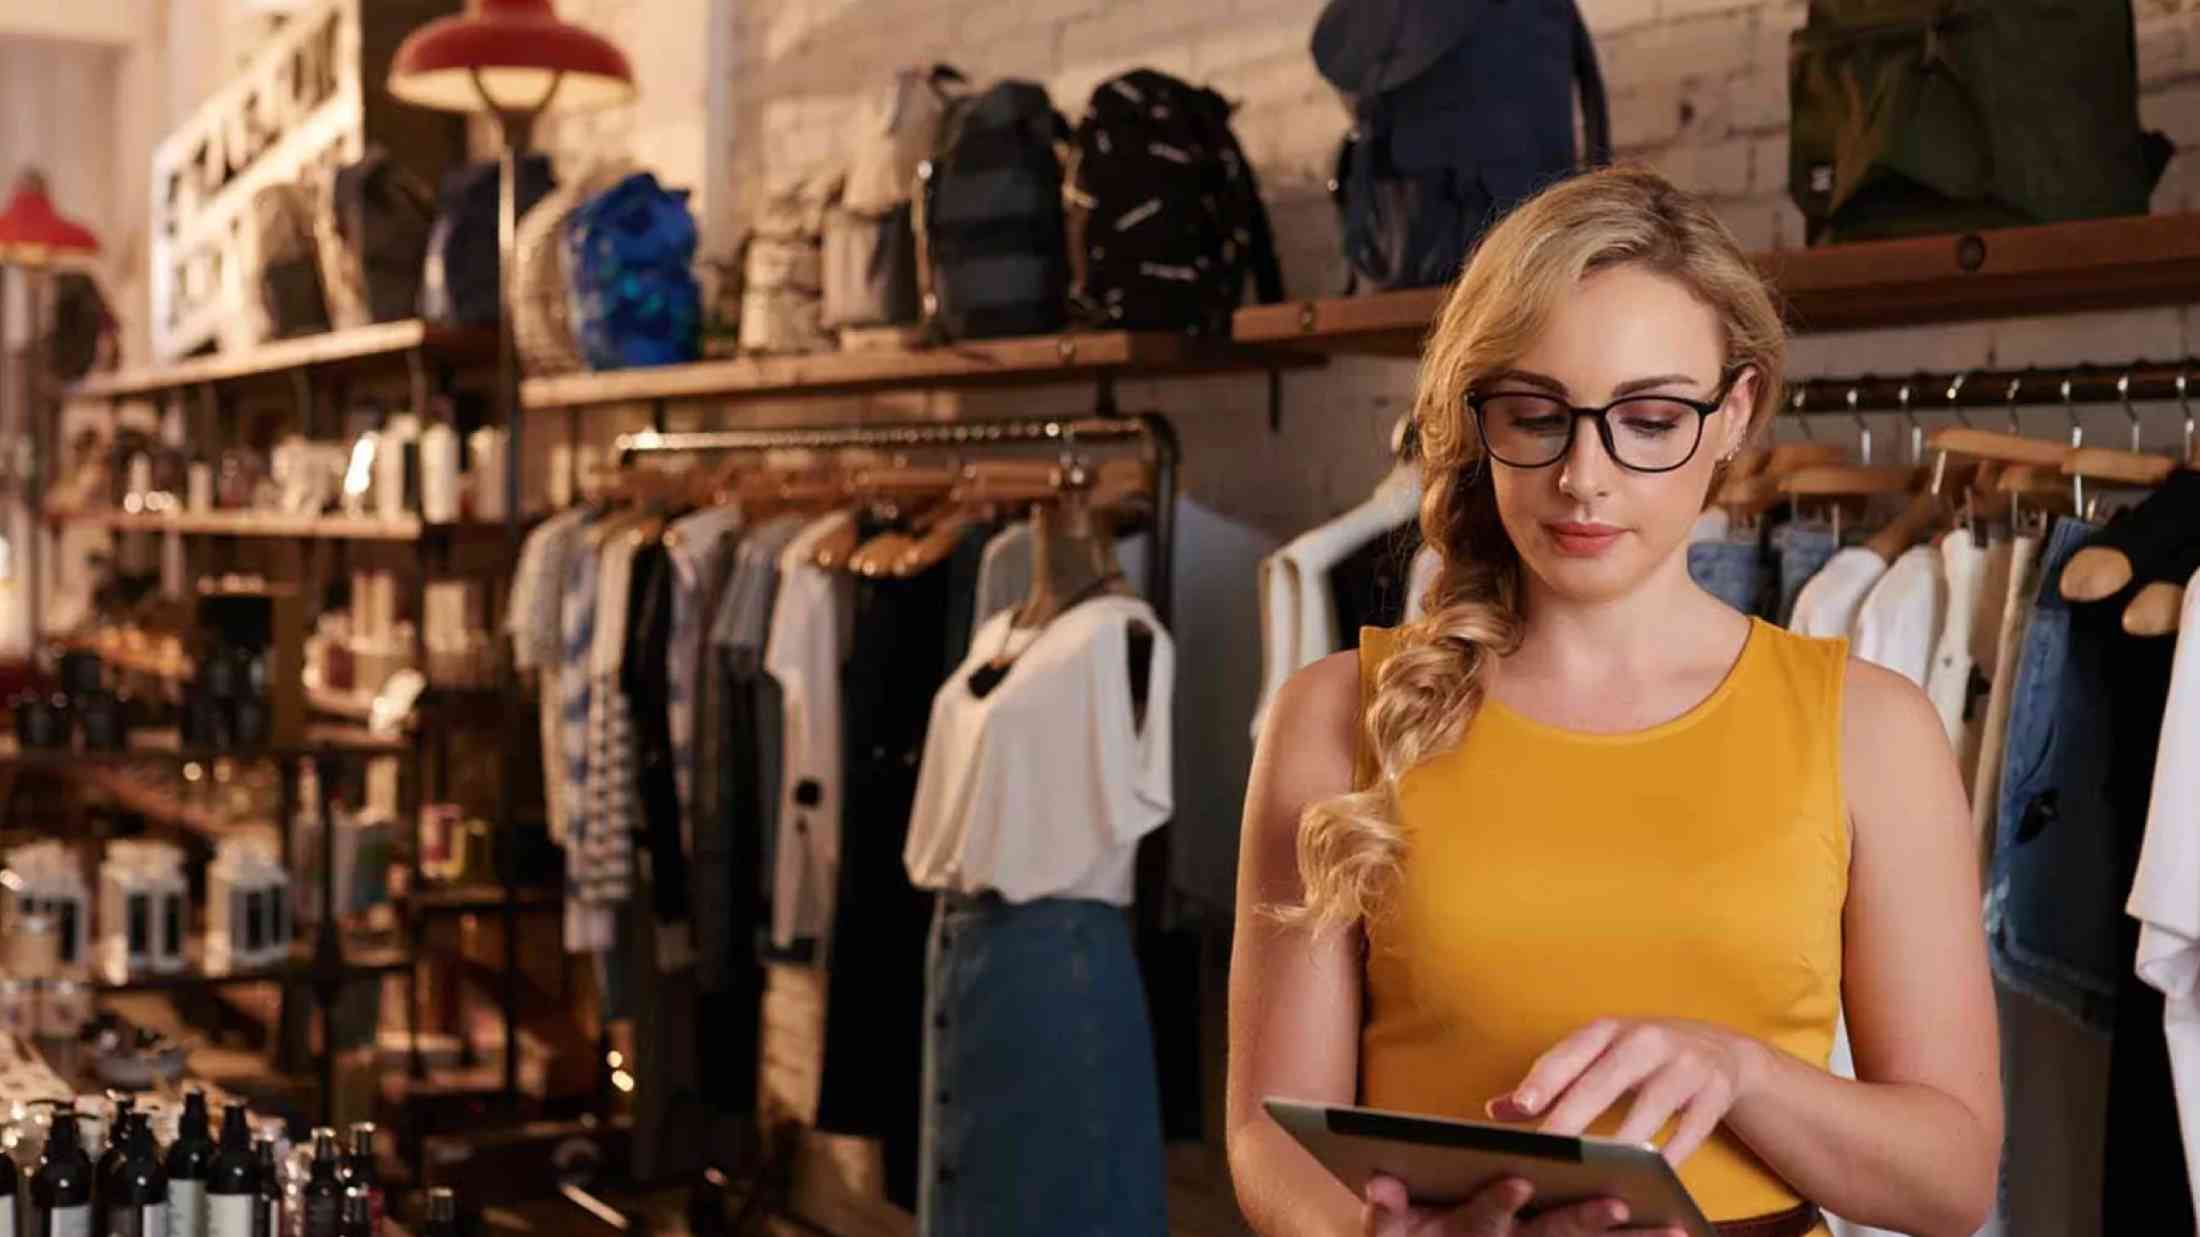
(137, 796)
(319, 740)
(272, 524)
(130, 660)
(1032, 360)
(363, 348)
(2057, 268)
(359, 962)
(476, 900)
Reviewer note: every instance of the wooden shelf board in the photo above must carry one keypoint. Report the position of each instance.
(383, 343)
(1028, 361)
(271, 524)
(129, 660)
(2056, 268)
(148, 800)
(476, 900)
(359, 962)
(164, 744)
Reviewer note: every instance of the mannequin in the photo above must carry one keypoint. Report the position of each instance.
(2155, 546)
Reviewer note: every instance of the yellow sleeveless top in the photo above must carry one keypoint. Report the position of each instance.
(1693, 870)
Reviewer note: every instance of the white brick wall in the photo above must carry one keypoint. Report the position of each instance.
(1699, 90)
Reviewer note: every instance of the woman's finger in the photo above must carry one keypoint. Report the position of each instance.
(1557, 1069)
(1656, 1100)
(1591, 1219)
(1621, 1069)
(1491, 1212)
(1697, 1122)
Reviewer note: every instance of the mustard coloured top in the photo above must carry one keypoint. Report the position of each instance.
(1695, 870)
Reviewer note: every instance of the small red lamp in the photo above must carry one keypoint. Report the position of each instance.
(33, 233)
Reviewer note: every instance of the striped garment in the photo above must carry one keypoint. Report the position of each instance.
(700, 547)
(606, 836)
(588, 928)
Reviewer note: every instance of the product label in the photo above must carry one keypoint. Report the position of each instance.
(227, 1215)
(321, 1215)
(187, 1208)
(7, 1216)
(134, 1220)
(62, 1221)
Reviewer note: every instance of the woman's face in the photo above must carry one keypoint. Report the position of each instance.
(1589, 527)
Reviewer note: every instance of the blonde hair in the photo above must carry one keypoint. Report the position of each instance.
(1350, 847)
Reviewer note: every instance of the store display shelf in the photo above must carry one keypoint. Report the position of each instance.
(131, 657)
(476, 899)
(360, 962)
(2119, 263)
(382, 345)
(156, 803)
(271, 524)
(1030, 360)
(164, 744)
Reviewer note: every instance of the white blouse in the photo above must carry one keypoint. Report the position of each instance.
(1042, 787)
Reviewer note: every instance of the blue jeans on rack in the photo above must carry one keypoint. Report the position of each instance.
(1041, 1109)
(2053, 892)
(1801, 551)
(1732, 571)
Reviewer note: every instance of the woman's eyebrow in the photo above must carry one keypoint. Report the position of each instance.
(1529, 377)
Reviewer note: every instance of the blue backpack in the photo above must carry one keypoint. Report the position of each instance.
(1461, 110)
(630, 252)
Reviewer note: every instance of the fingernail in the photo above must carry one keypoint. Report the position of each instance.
(1526, 1100)
(1619, 1213)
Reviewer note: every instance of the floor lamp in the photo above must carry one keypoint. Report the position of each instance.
(513, 60)
(34, 241)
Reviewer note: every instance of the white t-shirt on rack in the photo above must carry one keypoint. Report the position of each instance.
(2165, 894)
(1042, 787)
(1827, 605)
(1899, 622)
(803, 654)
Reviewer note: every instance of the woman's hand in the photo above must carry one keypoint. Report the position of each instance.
(1495, 1212)
(1691, 1071)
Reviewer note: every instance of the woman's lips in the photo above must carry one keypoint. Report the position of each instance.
(1583, 540)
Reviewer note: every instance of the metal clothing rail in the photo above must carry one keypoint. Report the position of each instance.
(1964, 390)
(1151, 429)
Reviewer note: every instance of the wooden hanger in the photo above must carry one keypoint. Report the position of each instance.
(1847, 481)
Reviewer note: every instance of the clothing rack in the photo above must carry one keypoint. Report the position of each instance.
(1151, 429)
(1964, 390)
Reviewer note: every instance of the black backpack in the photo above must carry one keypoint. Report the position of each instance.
(989, 217)
(1916, 117)
(1461, 110)
(1164, 213)
(374, 221)
(459, 283)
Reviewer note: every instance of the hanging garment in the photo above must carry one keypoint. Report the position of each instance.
(1948, 679)
(1035, 1011)
(2016, 621)
(901, 649)
(803, 653)
(1735, 572)
(1828, 603)
(1299, 620)
(1800, 551)
(2054, 1087)
(1042, 786)
(2165, 891)
(1900, 619)
(613, 810)
(532, 618)
(645, 682)
(699, 548)
(2052, 890)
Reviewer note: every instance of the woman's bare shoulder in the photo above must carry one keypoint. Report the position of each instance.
(1311, 738)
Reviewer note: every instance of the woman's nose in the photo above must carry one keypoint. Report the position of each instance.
(1586, 472)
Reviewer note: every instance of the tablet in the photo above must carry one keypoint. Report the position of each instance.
(1444, 1163)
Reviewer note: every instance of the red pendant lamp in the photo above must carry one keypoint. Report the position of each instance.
(33, 233)
(510, 56)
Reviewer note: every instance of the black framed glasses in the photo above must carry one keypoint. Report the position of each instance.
(1644, 433)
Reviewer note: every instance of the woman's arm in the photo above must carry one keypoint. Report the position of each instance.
(1294, 996)
(1914, 1144)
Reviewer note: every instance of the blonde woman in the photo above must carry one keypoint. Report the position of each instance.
(1587, 850)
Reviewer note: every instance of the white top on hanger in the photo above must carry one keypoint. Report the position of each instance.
(1900, 618)
(1042, 787)
(803, 654)
(2165, 894)
(1827, 605)
(1298, 615)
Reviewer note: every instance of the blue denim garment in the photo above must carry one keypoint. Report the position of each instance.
(1042, 1113)
(2052, 892)
(1732, 571)
(1802, 550)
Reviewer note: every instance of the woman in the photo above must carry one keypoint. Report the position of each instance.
(1586, 849)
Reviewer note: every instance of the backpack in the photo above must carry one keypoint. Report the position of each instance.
(278, 272)
(372, 220)
(542, 286)
(1926, 116)
(991, 255)
(1461, 110)
(81, 331)
(869, 276)
(782, 269)
(459, 283)
(629, 252)
(1165, 219)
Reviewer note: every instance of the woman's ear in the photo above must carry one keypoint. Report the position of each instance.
(1741, 402)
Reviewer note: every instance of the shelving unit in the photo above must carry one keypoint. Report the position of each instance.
(363, 351)
(273, 524)
(155, 804)
(360, 962)
(2056, 268)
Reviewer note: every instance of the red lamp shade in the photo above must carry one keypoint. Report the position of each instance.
(31, 230)
(509, 55)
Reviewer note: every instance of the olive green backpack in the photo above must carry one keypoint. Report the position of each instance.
(1914, 117)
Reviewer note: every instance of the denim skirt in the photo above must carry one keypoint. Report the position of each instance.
(1041, 1113)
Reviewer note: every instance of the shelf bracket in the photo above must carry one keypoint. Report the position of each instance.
(657, 415)
(1275, 399)
(416, 372)
(301, 391)
(1103, 396)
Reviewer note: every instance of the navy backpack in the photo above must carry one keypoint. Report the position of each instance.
(1461, 109)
